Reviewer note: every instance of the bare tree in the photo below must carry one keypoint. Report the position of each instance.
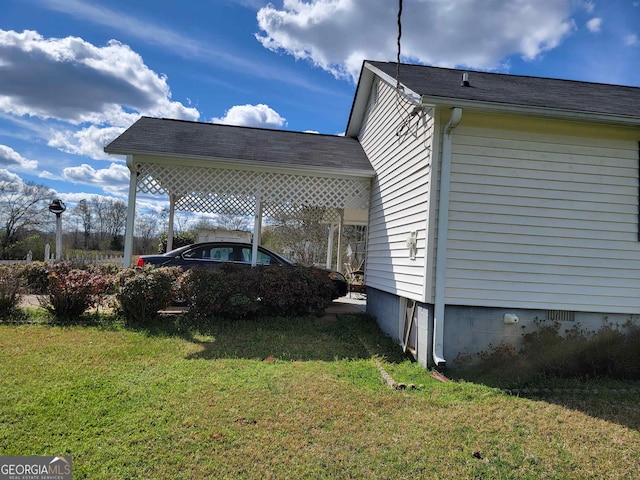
(22, 207)
(232, 222)
(147, 232)
(99, 207)
(83, 211)
(204, 223)
(182, 221)
(116, 217)
(300, 236)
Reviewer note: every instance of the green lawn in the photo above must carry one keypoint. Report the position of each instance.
(286, 399)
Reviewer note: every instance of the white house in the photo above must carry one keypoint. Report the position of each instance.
(494, 200)
(520, 194)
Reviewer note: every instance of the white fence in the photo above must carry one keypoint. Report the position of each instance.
(13, 262)
(88, 258)
(95, 259)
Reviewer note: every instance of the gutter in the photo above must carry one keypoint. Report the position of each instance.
(545, 112)
(441, 252)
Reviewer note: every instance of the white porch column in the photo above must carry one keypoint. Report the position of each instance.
(172, 209)
(332, 230)
(339, 266)
(131, 212)
(257, 231)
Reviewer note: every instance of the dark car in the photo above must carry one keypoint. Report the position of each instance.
(211, 254)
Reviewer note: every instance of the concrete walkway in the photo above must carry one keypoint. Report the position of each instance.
(347, 305)
(30, 301)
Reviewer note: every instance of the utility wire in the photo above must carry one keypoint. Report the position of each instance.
(402, 107)
(399, 45)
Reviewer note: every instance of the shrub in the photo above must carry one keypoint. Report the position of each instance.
(626, 354)
(238, 291)
(223, 291)
(36, 277)
(71, 292)
(107, 269)
(546, 351)
(71, 287)
(598, 354)
(293, 291)
(501, 359)
(141, 293)
(610, 352)
(179, 290)
(9, 290)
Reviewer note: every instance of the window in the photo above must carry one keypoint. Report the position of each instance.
(263, 258)
(222, 254)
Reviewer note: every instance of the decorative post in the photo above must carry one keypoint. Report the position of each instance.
(57, 207)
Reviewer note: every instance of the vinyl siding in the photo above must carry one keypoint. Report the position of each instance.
(544, 220)
(400, 195)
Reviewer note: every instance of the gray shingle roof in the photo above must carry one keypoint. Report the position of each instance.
(156, 136)
(584, 97)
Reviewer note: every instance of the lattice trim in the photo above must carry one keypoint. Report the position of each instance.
(226, 191)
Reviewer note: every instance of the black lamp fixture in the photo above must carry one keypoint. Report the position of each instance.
(57, 206)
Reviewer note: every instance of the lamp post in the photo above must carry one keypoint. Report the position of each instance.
(57, 207)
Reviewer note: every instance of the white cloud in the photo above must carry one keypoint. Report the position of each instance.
(631, 40)
(252, 116)
(594, 25)
(74, 81)
(10, 158)
(113, 180)
(337, 35)
(9, 178)
(88, 141)
(48, 175)
(217, 52)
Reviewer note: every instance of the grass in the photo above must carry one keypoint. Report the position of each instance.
(287, 399)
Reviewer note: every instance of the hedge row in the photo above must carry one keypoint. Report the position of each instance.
(238, 291)
(231, 291)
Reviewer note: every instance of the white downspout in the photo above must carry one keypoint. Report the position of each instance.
(131, 212)
(441, 245)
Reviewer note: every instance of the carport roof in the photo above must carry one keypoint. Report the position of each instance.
(179, 138)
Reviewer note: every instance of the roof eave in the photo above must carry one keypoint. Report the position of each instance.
(360, 100)
(363, 92)
(243, 164)
(548, 112)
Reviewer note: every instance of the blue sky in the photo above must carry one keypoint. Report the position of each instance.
(76, 73)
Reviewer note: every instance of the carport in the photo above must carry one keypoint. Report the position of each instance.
(254, 172)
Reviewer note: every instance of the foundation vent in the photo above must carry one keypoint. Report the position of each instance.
(561, 316)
